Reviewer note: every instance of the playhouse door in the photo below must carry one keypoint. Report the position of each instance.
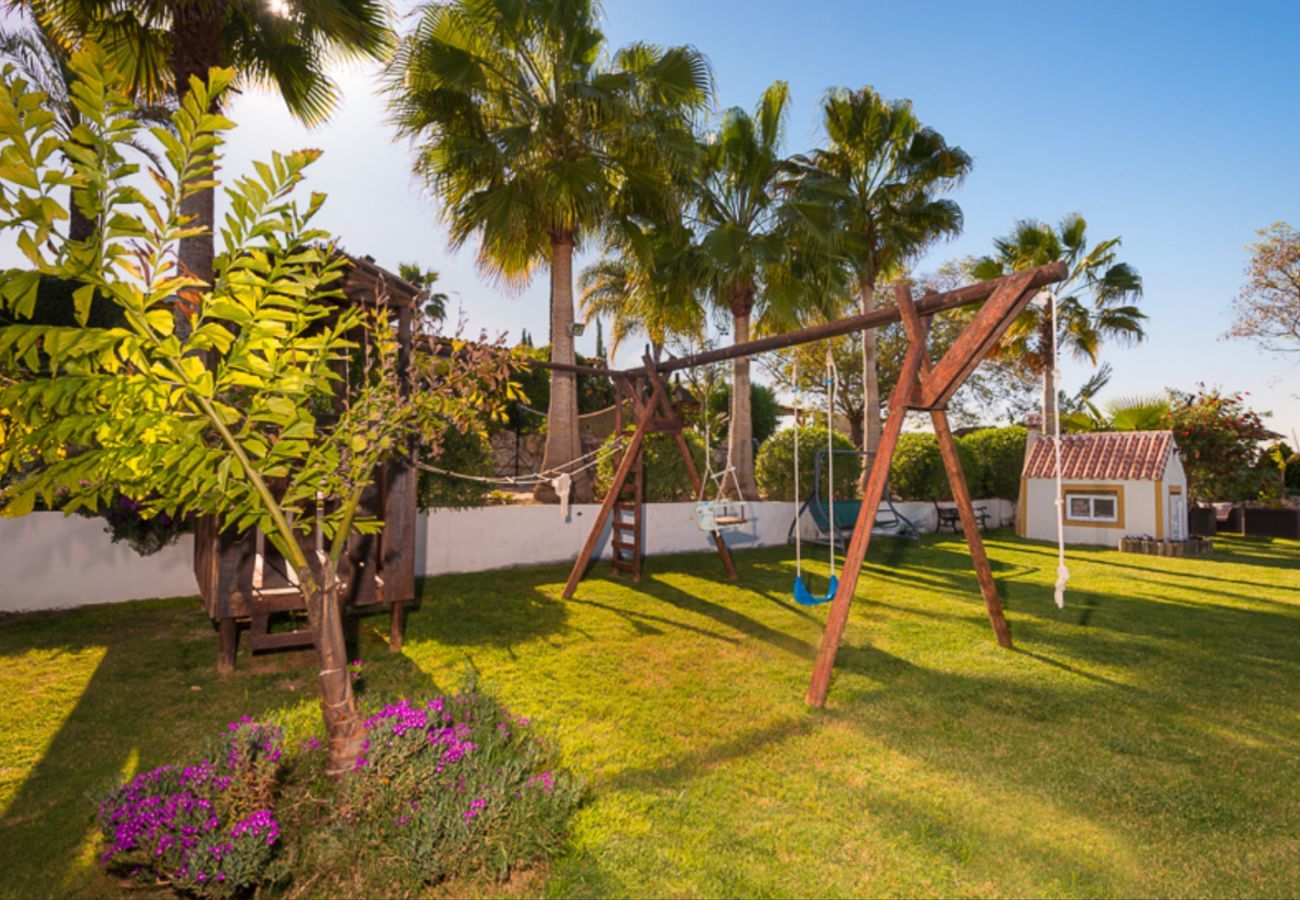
(1177, 518)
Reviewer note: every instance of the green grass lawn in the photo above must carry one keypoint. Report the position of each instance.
(1144, 741)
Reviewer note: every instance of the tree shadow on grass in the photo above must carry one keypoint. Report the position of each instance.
(151, 695)
(495, 609)
(674, 596)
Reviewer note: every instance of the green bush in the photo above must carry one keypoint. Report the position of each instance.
(460, 452)
(774, 467)
(665, 475)
(917, 470)
(1001, 456)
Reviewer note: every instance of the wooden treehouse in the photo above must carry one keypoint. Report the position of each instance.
(244, 581)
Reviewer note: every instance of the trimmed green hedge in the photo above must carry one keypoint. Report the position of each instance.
(665, 476)
(1001, 453)
(917, 470)
(774, 467)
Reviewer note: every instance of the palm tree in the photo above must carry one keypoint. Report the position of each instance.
(743, 246)
(882, 175)
(1096, 302)
(532, 145)
(644, 283)
(1137, 413)
(435, 302)
(285, 45)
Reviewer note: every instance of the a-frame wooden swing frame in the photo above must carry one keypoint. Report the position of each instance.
(922, 386)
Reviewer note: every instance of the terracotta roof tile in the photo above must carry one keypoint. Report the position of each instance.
(1120, 455)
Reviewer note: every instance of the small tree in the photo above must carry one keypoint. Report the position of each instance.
(1267, 311)
(1219, 437)
(228, 417)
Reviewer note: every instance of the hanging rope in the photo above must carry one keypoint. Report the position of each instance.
(801, 593)
(1062, 570)
(594, 458)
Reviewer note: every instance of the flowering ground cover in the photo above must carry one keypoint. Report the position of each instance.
(1140, 742)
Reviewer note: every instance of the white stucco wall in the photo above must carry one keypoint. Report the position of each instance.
(51, 561)
(1147, 509)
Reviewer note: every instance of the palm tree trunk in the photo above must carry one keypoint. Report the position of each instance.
(740, 430)
(344, 731)
(870, 381)
(563, 443)
(80, 227)
(1046, 346)
(196, 48)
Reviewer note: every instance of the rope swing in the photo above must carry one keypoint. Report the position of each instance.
(802, 595)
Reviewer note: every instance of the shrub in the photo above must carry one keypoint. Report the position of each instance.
(774, 467)
(665, 476)
(1000, 453)
(455, 786)
(205, 829)
(127, 520)
(467, 452)
(917, 472)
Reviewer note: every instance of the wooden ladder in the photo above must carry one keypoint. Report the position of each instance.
(625, 540)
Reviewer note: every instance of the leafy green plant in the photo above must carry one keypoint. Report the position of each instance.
(219, 399)
(999, 454)
(774, 468)
(665, 473)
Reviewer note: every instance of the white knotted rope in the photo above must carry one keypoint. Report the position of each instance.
(1062, 570)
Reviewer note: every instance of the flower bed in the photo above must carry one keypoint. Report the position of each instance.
(453, 787)
(1193, 546)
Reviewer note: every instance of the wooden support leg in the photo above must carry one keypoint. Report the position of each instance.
(607, 506)
(857, 550)
(396, 625)
(966, 511)
(227, 645)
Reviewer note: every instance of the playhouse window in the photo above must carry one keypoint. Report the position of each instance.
(1092, 507)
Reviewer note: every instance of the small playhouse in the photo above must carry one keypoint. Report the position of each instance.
(1115, 484)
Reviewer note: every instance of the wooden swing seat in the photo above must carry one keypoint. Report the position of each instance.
(729, 521)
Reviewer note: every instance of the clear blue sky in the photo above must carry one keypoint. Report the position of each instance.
(1173, 125)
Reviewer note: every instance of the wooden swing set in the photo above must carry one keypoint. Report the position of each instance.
(923, 385)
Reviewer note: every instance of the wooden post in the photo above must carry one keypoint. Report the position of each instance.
(227, 644)
(916, 332)
(899, 401)
(975, 543)
(396, 626)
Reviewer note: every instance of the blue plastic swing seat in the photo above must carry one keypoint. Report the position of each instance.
(805, 597)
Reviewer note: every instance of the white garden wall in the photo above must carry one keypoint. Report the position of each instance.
(51, 561)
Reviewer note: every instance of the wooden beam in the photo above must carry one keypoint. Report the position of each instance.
(916, 333)
(926, 306)
(899, 401)
(976, 340)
